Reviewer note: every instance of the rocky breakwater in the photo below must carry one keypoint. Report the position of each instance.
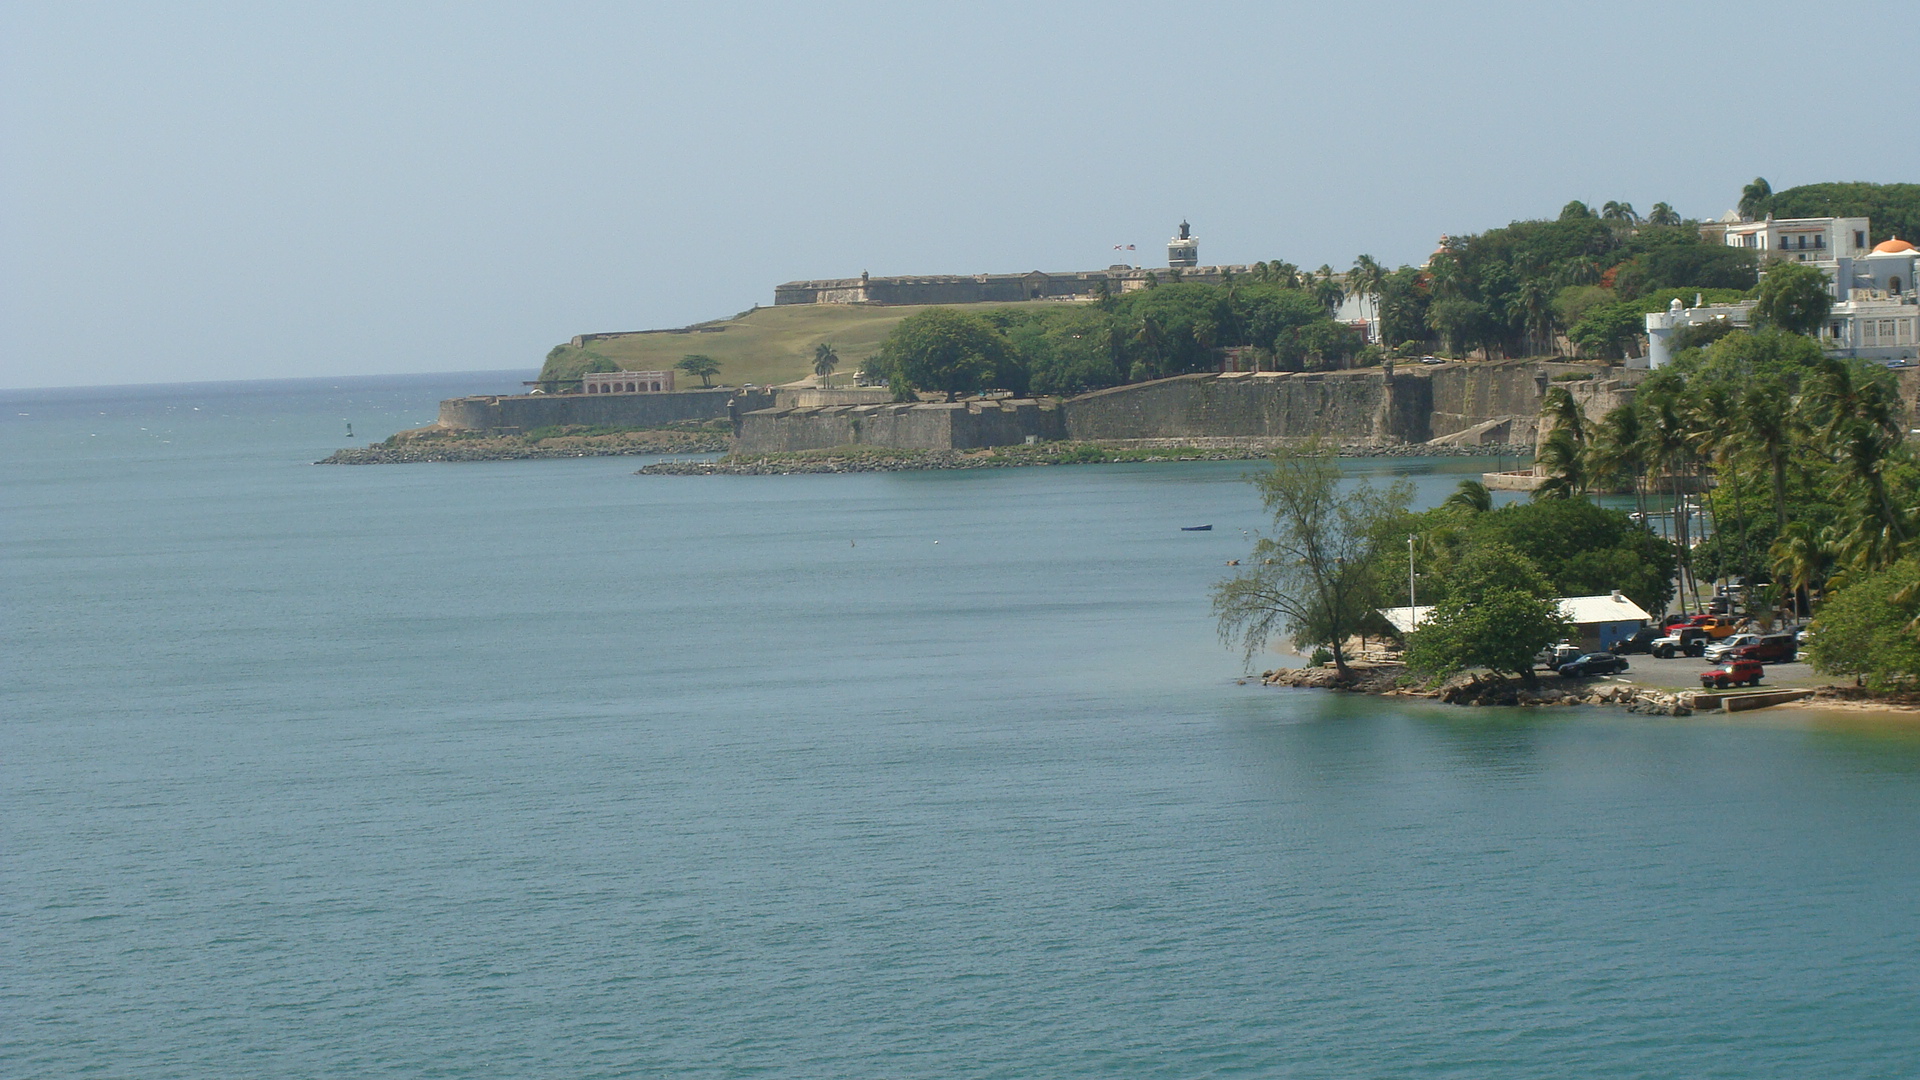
(858, 459)
(1483, 689)
(435, 444)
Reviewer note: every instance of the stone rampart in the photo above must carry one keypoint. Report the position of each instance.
(522, 412)
(1348, 406)
(960, 425)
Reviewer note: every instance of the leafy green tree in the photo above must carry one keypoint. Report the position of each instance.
(1317, 576)
(1608, 330)
(944, 350)
(1499, 612)
(1893, 208)
(825, 359)
(701, 366)
(1576, 211)
(1463, 324)
(1403, 303)
(1561, 537)
(1793, 297)
(1866, 628)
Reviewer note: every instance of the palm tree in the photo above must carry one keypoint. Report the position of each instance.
(1366, 279)
(1560, 407)
(1662, 214)
(1532, 307)
(1328, 290)
(1618, 454)
(1564, 464)
(1860, 427)
(1765, 422)
(824, 361)
(1620, 213)
(1669, 451)
(1562, 454)
(1801, 561)
(1470, 495)
(1754, 198)
(1152, 342)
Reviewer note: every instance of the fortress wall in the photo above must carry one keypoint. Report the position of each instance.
(925, 426)
(1468, 394)
(521, 412)
(1350, 406)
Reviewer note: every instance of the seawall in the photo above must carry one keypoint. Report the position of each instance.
(960, 425)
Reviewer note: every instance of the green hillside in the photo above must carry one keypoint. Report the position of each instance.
(768, 345)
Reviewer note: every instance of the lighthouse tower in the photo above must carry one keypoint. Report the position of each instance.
(1183, 250)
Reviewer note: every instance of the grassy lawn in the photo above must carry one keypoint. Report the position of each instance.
(773, 344)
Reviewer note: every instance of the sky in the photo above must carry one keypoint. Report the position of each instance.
(199, 191)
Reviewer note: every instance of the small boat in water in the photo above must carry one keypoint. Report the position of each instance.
(1196, 528)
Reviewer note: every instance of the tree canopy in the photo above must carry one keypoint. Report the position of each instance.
(1316, 577)
(1499, 611)
(700, 365)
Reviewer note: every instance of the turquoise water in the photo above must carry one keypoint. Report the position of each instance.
(545, 769)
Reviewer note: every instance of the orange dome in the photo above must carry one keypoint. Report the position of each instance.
(1895, 246)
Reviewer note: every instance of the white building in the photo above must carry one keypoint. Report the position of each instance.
(1600, 622)
(1875, 313)
(1799, 239)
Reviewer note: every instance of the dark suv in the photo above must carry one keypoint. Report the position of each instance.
(1641, 641)
(1732, 673)
(1593, 663)
(1770, 649)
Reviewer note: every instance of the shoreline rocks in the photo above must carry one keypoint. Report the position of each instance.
(879, 459)
(518, 448)
(1484, 690)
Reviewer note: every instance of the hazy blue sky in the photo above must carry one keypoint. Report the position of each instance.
(212, 191)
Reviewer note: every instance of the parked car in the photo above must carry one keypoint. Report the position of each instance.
(1686, 641)
(1720, 649)
(1641, 641)
(1769, 649)
(1593, 663)
(1732, 673)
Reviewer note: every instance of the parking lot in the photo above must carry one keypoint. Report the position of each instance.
(1683, 673)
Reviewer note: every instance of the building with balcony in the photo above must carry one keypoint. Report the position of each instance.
(627, 382)
(1876, 312)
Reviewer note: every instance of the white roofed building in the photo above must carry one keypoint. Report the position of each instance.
(1601, 622)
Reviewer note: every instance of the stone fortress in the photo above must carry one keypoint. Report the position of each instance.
(1183, 262)
(1451, 404)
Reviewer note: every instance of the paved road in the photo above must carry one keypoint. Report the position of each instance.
(1683, 673)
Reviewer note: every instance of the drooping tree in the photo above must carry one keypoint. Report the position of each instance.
(1316, 577)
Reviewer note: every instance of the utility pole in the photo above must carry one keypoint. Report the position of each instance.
(1413, 607)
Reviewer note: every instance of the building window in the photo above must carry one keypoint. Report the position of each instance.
(1820, 240)
(1859, 239)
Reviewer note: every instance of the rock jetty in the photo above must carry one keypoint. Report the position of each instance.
(1483, 689)
(880, 459)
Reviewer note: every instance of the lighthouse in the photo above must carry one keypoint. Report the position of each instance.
(1183, 250)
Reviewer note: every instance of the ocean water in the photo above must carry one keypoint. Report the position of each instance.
(546, 769)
